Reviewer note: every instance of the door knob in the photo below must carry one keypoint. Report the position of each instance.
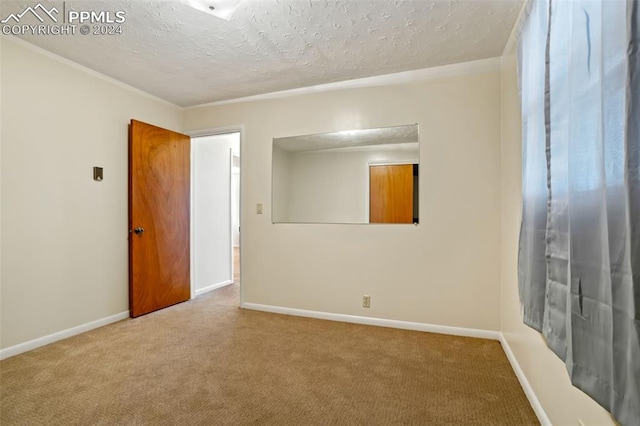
(138, 230)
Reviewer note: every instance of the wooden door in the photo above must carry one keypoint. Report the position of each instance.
(391, 194)
(159, 218)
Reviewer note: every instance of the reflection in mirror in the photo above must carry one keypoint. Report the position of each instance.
(356, 176)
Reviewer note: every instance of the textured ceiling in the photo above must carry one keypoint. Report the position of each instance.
(189, 57)
(350, 138)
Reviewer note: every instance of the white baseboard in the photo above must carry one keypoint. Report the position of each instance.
(212, 287)
(524, 382)
(379, 322)
(51, 338)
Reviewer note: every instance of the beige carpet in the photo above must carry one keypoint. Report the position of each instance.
(207, 362)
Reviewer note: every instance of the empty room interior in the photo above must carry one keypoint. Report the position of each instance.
(342, 239)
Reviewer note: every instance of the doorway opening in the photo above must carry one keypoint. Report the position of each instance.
(235, 212)
(215, 212)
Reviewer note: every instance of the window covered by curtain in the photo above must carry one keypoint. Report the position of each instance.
(579, 260)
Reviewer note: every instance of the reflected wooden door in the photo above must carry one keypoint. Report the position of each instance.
(159, 218)
(391, 194)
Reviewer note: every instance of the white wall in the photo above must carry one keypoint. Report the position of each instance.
(235, 205)
(212, 210)
(1, 196)
(332, 186)
(444, 271)
(563, 403)
(281, 183)
(64, 236)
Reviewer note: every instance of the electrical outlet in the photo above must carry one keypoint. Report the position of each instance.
(259, 208)
(366, 301)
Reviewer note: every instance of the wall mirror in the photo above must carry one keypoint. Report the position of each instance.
(355, 176)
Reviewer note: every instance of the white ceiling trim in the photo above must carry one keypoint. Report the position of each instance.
(510, 45)
(452, 70)
(84, 69)
(214, 131)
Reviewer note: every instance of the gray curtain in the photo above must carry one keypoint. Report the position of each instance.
(579, 259)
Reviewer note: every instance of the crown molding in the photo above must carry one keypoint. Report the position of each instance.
(510, 45)
(452, 70)
(405, 77)
(85, 69)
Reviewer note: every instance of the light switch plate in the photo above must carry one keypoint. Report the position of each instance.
(259, 208)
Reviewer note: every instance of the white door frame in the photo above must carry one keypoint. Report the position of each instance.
(213, 132)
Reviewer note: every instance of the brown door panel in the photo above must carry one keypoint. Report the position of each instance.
(391, 194)
(159, 218)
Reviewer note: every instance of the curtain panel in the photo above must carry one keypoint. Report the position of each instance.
(579, 250)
